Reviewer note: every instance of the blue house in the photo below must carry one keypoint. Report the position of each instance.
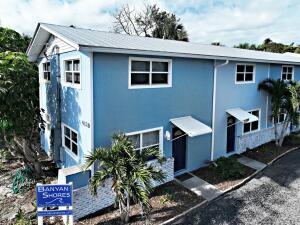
(194, 102)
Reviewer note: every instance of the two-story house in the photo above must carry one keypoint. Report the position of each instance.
(194, 102)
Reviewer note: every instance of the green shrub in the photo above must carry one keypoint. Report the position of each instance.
(21, 219)
(22, 180)
(230, 168)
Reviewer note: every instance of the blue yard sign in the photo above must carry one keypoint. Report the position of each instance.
(54, 195)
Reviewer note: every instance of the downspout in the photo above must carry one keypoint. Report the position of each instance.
(57, 156)
(267, 105)
(214, 106)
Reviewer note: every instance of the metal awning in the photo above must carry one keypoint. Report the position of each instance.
(191, 126)
(242, 115)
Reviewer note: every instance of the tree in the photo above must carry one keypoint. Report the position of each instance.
(11, 40)
(285, 97)
(132, 177)
(150, 22)
(269, 46)
(19, 111)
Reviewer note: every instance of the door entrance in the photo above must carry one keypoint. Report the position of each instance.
(230, 134)
(179, 149)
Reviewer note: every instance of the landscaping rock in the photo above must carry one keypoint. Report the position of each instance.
(28, 208)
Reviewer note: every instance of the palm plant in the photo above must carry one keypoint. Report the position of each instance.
(284, 96)
(132, 176)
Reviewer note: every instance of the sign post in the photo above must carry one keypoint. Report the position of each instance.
(57, 196)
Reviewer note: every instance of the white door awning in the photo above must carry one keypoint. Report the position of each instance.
(242, 115)
(191, 126)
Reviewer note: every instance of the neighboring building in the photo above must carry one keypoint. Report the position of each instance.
(205, 97)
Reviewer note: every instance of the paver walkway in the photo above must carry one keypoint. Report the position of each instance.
(201, 187)
(251, 163)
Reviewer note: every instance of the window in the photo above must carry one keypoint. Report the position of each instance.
(252, 126)
(46, 71)
(72, 71)
(280, 118)
(70, 139)
(146, 139)
(244, 73)
(149, 73)
(287, 73)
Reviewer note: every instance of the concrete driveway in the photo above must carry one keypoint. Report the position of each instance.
(272, 197)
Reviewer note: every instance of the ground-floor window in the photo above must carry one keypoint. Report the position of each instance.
(152, 138)
(280, 118)
(252, 126)
(70, 139)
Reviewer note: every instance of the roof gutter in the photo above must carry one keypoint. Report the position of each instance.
(214, 106)
(175, 54)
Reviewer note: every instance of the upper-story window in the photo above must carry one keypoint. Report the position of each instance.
(287, 72)
(245, 73)
(146, 139)
(46, 71)
(72, 72)
(149, 73)
(252, 126)
(70, 139)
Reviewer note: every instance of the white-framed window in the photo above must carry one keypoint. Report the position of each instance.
(72, 72)
(149, 73)
(245, 73)
(287, 73)
(46, 71)
(252, 126)
(151, 138)
(280, 118)
(70, 139)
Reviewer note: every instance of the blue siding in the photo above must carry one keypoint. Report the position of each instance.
(79, 179)
(230, 95)
(76, 107)
(117, 108)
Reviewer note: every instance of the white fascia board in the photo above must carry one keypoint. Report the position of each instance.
(73, 44)
(182, 55)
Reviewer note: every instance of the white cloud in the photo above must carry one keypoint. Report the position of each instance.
(229, 22)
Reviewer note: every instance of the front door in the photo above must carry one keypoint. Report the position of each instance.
(179, 149)
(230, 133)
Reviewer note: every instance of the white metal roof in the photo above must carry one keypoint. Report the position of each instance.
(191, 126)
(99, 41)
(242, 115)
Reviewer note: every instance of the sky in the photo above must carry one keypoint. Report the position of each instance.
(229, 22)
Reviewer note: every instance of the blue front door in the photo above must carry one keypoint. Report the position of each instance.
(179, 149)
(230, 134)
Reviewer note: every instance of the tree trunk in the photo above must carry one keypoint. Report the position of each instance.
(124, 213)
(29, 156)
(283, 131)
(276, 135)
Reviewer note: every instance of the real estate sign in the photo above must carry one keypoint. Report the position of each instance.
(54, 195)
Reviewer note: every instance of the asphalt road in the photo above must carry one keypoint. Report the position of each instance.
(272, 197)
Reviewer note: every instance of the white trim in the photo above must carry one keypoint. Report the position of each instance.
(73, 44)
(69, 151)
(64, 82)
(253, 75)
(92, 105)
(150, 85)
(267, 105)
(214, 107)
(161, 137)
(259, 117)
(293, 70)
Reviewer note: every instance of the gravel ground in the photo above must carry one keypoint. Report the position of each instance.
(272, 197)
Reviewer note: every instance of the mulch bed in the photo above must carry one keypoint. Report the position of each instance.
(269, 151)
(167, 201)
(210, 175)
